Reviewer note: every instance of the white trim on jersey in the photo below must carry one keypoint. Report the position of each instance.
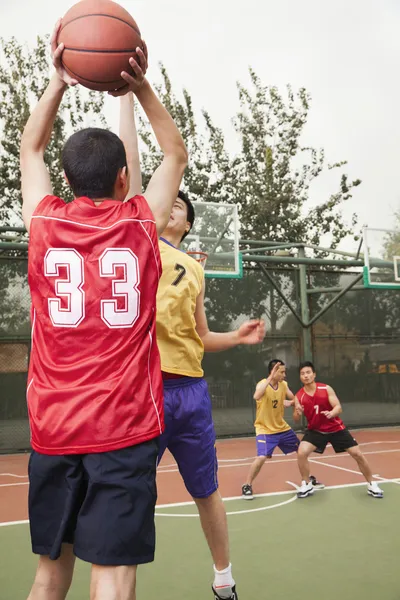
(94, 226)
(322, 387)
(152, 245)
(151, 387)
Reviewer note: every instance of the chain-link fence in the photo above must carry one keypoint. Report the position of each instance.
(356, 347)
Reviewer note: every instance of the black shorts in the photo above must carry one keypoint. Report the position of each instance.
(102, 503)
(340, 440)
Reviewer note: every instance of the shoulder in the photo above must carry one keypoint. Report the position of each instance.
(140, 208)
(323, 387)
(263, 381)
(283, 385)
(47, 204)
(300, 394)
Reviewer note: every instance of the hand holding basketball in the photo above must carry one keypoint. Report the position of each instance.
(251, 332)
(56, 54)
(139, 68)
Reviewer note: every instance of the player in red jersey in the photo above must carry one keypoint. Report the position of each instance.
(321, 407)
(94, 389)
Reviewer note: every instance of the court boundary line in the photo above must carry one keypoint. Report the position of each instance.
(284, 460)
(316, 460)
(264, 495)
(378, 477)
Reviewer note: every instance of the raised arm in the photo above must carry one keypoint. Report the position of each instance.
(260, 389)
(249, 333)
(35, 178)
(163, 187)
(334, 402)
(128, 135)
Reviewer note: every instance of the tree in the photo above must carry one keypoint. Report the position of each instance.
(269, 179)
(24, 75)
(391, 244)
(275, 171)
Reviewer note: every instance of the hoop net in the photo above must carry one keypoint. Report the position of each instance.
(201, 257)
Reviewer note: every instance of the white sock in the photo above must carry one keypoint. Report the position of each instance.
(224, 582)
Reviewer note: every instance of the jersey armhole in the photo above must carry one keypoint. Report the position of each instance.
(46, 201)
(143, 206)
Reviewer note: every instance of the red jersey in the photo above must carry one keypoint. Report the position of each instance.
(313, 407)
(94, 381)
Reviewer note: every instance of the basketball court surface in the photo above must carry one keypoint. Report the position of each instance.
(338, 543)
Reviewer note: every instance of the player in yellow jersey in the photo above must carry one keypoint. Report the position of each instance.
(272, 395)
(183, 336)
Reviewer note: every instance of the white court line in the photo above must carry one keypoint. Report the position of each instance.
(335, 467)
(13, 475)
(233, 460)
(351, 471)
(235, 512)
(292, 484)
(13, 484)
(272, 461)
(288, 460)
(267, 494)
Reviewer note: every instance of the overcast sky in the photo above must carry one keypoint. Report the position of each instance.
(345, 52)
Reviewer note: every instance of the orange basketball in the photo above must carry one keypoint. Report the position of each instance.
(99, 38)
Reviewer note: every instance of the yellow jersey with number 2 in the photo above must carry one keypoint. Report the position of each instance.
(181, 282)
(270, 410)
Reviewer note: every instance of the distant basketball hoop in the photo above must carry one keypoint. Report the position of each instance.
(201, 257)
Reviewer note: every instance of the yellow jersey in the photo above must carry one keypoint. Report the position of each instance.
(181, 282)
(270, 410)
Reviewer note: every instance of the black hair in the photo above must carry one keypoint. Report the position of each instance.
(91, 159)
(273, 362)
(189, 211)
(307, 363)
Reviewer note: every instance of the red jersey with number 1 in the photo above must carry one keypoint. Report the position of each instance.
(94, 380)
(313, 407)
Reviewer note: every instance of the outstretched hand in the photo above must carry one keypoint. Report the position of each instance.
(328, 414)
(56, 54)
(134, 82)
(251, 332)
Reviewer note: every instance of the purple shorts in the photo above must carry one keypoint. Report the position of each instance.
(287, 441)
(189, 434)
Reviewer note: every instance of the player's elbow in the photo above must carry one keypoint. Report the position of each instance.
(178, 153)
(29, 150)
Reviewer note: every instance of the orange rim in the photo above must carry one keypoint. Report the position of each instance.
(201, 257)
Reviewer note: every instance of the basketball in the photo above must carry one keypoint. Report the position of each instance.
(99, 37)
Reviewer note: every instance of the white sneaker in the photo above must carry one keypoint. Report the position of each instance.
(306, 489)
(374, 490)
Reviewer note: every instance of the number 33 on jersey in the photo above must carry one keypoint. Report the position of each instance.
(67, 309)
(93, 276)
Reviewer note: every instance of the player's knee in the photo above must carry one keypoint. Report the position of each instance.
(302, 453)
(358, 456)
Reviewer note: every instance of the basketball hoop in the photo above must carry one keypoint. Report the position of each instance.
(201, 257)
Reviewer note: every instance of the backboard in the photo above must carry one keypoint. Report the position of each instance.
(216, 232)
(381, 258)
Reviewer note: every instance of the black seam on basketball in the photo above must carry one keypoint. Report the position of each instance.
(100, 15)
(93, 81)
(122, 51)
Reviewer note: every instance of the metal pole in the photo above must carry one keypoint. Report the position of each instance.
(335, 299)
(334, 290)
(281, 294)
(305, 311)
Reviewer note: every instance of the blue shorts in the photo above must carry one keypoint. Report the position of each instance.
(189, 434)
(101, 503)
(287, 441)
